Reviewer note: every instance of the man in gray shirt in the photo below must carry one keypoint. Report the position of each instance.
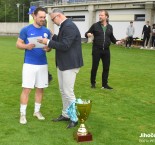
(130, 32)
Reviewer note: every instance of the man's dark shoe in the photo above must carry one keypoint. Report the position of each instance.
(107, 87)
(93, 86)
(50, 78)
(61, 118)
(72, 124)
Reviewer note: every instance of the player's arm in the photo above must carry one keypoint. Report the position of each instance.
(21, 45)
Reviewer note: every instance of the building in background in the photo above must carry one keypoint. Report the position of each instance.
(85, 12)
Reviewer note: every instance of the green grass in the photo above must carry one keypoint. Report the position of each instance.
(118, 117)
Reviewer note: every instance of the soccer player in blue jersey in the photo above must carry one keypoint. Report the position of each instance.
(31, 21)
(35, 68)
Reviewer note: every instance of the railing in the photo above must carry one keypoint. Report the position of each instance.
(69, 2)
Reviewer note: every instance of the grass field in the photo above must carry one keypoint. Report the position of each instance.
(118, 116)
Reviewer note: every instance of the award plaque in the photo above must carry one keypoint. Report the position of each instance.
(83, 110)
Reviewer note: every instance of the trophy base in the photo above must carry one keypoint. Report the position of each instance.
(83, 138)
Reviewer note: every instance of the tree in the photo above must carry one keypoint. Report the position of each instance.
(9, 10)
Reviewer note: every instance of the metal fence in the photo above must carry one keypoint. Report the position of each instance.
(68, 2)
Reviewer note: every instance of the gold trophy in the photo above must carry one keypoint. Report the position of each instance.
(83, 109)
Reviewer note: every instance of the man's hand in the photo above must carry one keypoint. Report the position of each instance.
(46, 48)
(21, 45)
(42, 40)
(89, 34)
(30, 46)
(120, 42)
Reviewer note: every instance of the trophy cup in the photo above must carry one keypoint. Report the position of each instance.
(83, 109)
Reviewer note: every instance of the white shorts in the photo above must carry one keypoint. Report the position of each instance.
(34, 76)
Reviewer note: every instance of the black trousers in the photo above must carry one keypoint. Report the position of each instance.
(104, 55)
(153, 41)
(129, 41)
(146, 38)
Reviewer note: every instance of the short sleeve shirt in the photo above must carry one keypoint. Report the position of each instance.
(36, 56)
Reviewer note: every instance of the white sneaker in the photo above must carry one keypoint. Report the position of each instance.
(146, 47)
(39, 116)
(141, 47)
(151, 48)
(22, 119)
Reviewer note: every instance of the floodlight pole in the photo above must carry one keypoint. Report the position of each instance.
(23, 12)
(18, 10)
(5, 13)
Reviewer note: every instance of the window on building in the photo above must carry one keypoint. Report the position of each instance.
(76, 18)
(140, 17)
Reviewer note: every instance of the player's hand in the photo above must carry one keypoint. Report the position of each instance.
(30, 46)
(46, 48)
(42, 40)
